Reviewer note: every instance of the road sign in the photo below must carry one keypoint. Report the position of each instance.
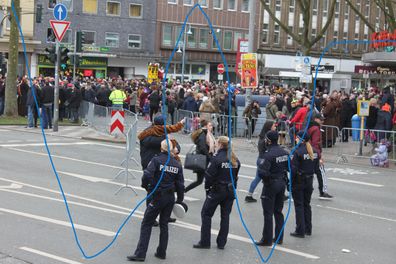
(220, 77)
(117, 122)
(307, 61)
(220, 68)
(60, 12)
(60, 28)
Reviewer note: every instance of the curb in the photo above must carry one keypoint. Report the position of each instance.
(108, 140)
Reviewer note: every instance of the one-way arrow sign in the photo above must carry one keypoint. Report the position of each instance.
(60, 28)
(60, 12)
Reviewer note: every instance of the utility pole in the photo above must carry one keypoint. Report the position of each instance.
(184, 54)
(252, 8)
(11, 107)
(56, 90)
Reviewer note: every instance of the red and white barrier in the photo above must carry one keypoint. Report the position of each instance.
(117, 122)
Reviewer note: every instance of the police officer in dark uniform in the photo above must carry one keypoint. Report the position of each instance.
(219, 189)
(305, 164)
(161, 202)
(272, 168)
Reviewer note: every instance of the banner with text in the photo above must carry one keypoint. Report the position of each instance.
(249, 70)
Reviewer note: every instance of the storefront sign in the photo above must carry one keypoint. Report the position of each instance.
(375, 70)
(249, 70)
(43, 60)
(93, 62)
(381, 38)
(322, 68)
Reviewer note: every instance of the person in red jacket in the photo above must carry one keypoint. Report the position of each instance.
(315, 135)
(297, 120)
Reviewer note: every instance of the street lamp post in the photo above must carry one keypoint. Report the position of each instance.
(184, 50)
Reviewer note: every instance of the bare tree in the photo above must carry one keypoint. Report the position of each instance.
(386, 7)
(305, 39)
(11, 108)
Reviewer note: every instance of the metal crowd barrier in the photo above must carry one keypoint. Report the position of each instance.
(363, 142)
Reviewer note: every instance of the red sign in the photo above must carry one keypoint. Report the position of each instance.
(59, 28)
(220, 68)
(381, 39)
(117, 122)
(242, 49)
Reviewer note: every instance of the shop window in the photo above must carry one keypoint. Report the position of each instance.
(134, 41)
(245, 5)
(113, 8)
(203, 38)
(227, 40)
(112, 40)
(166, 35)
(218, 4)
(90, 6)
(192, 38)
(89, 37)
(135, 10)
(198, 69)
(232, 5)
(203, 3)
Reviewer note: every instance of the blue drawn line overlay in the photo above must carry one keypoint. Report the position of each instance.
(230, 90)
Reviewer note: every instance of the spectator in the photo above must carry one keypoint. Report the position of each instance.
(47, 99)
(155, 100)
(74, 103)
(271, 108)
(384, 122)
(251, 115)
(2, 94)
(189, 103)
(373, 111)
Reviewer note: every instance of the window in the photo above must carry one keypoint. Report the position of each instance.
(90, 6)
(51, 3)
(187, 2)
(218, 36)
(367, 11)
(289, 38)
(89, 37)
(50, 35)
(265, 33)
(337, 9)
(113, 9)
(315, 7)
(313, 32)
(203, 3)
(237, 35)
(325, 7)
(203, 38)
(227, 42)
(276, 34)
(198, 69)
(335, 44)
(172, 2)
(192, 38)
(292, 6)
(245, 6)
(134, 41)
(166, 35)
(67, 3)
(232, 5)
(135, 10)
(177, 34)
(278, 5)
(112, 40)
(218, 4)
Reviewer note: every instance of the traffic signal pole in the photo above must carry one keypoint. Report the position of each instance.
(56, 90)
(74, 58)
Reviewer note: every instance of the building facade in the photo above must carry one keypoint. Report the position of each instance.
(230, 20)
(119, 36)
(27, 24)
(341, 58)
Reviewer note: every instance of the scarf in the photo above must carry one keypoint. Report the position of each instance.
(158, 130)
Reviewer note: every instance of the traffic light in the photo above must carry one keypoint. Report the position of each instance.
(39, 12)
(80, 40)
(51, 56)
(75, 59)
(64, 58)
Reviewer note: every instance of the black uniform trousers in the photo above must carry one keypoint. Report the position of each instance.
(161, 205)
(224, 198)
(302, 192)
(272, 203)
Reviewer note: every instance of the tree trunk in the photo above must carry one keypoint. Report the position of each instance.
(11, 108)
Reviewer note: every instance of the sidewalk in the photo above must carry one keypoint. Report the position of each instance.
(6, 259)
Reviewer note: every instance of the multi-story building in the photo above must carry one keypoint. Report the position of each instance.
(119, 36)
(346, 25)
(27, 23)
(230, 20)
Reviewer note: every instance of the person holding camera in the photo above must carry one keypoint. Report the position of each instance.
(251, 115)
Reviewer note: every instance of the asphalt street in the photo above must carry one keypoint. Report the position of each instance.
(357, 226)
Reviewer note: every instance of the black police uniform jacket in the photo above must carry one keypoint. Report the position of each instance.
(172, 180)
(272, 164)
(302, 165)
(218, 172)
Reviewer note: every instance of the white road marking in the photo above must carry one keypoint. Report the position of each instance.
(356, 182)
(357, 213)
(42, 144)
(178, 223)
(59, 222)
(11, 186)
(48, 255)
(5, 130)
(246, 177)
(97, 180)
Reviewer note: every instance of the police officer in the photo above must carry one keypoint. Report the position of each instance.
(305, 164)
(272, 168)
(219, 189)
(161, 202)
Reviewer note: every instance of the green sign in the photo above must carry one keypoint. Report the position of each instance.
(93, 62)
(104, 49)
